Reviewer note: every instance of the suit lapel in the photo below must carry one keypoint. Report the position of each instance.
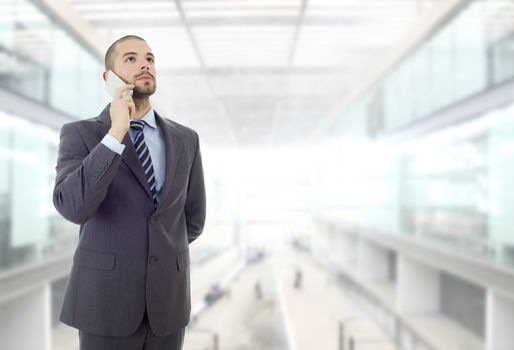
(173, 148)
(173, 143)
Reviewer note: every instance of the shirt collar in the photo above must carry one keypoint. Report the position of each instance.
(149, 118)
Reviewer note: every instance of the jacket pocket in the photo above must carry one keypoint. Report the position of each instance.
(183, 260)
(93, 259)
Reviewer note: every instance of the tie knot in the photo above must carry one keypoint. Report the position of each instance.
(137, 125)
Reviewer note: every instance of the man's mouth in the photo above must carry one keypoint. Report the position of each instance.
(145, 77)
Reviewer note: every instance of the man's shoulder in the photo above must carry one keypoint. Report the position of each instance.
(182, 129)
(89, 122)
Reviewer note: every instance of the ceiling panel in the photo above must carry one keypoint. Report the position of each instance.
(256, 73)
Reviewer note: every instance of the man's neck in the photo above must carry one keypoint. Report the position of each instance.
(142, 107)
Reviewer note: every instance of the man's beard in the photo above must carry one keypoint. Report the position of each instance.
(144, 92)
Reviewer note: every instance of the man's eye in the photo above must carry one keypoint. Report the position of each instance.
(150, 59)
(129, 58)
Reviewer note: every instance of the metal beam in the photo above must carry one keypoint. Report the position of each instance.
(85, 33)
(473, 107)
(223, 21)
(256, 70)
(31, 110)
(19, 280)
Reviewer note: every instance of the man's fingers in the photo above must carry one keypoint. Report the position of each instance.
(132, 109)
(122, 89)
(127, 93)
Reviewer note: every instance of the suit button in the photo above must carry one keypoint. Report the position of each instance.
(152, 260)
(153, 220)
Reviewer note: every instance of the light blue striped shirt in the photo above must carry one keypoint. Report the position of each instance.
(155, 143)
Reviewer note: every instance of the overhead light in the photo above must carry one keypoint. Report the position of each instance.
(242, 13)
(132, 15)
(115, 6)
(270, 28)
(239, 3)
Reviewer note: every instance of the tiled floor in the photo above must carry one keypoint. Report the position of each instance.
(285, 317)
(243, 320)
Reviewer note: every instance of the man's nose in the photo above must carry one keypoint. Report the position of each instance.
(145, 65)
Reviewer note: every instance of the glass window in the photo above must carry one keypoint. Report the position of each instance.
(404, 95)
(443, 65)
(7, 8)
(64, 81)
(30, 228)
(470, 52)
(422, 82)
(499, 38)
(33, 49)
(29, 205)
(500, 150)
(92, 94)
(38, 59)
(5, 185)
(390, 101)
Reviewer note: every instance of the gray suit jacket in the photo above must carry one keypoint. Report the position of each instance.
(130, 256)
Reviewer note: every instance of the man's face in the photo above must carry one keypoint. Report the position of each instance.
(134, 63)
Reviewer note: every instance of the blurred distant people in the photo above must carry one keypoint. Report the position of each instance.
(299, 245)
(256, 256)
(298, 279)
(134, 182)
(257, 290)
(214, 294)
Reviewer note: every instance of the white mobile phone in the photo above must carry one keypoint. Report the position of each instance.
(113, 82)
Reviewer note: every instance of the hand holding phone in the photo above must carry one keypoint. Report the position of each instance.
(114, 82)
(122, 106)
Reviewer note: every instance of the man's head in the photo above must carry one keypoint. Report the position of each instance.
(132, 60)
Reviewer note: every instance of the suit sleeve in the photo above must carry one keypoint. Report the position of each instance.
(82, 177)
(195, 207)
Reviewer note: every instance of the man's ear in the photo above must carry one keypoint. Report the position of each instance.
(105, 76)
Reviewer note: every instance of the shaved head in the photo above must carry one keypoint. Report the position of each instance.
(110, 55)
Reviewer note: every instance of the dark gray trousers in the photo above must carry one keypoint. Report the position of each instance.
(142, 339)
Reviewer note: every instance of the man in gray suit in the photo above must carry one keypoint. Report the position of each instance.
(133, 181)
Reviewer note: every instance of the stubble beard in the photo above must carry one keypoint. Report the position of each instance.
(141, 95)
(144, 92)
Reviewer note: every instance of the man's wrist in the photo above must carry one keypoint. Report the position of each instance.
(112, 143)
(119, 135)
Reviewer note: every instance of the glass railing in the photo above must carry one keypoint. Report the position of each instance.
(469, 54)
(41, 61)
(404, 336)
(30, 228)
(453, 187)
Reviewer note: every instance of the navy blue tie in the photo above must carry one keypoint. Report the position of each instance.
(144, 156)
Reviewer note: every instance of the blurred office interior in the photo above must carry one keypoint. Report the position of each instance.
(358, 158)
